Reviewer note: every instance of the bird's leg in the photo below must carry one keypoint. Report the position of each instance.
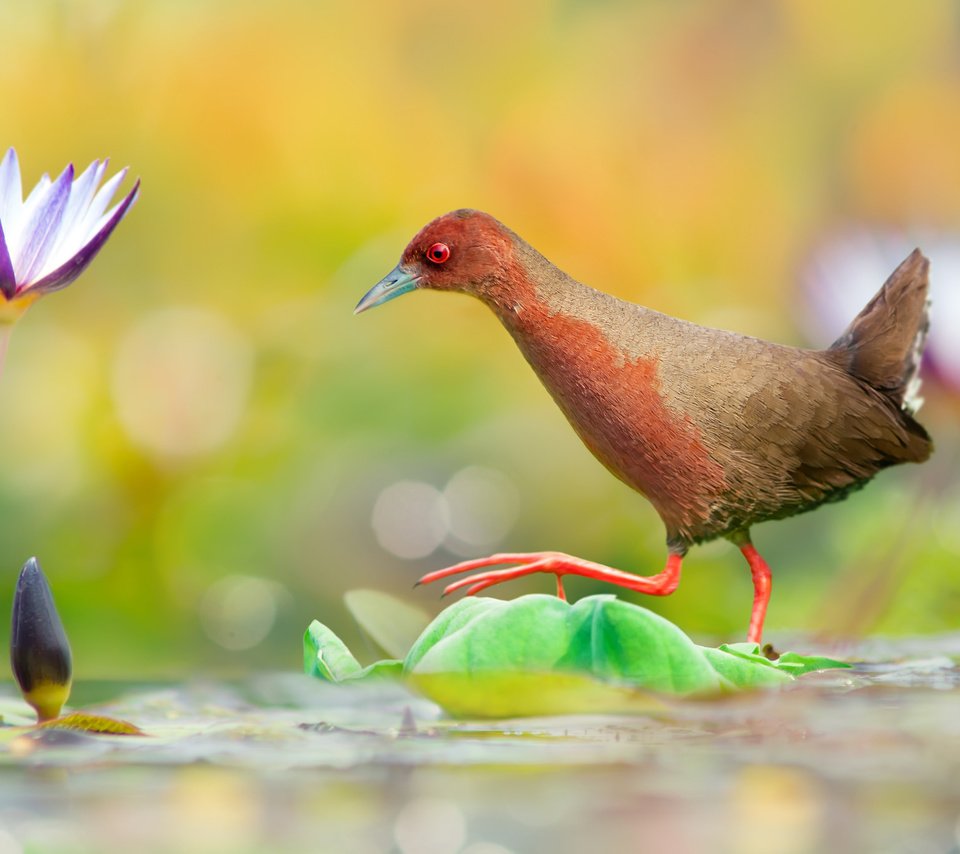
(761, 588)
(559, 564)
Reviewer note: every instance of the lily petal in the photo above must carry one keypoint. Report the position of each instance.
(88, 222)
(70, 238)
(66, 273)
(41, 187)
(43, 225)
(11, 192)
(8, 281)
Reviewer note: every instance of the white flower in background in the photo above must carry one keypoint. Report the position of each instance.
(47, 240)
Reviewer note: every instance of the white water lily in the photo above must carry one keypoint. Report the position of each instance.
(47, 240)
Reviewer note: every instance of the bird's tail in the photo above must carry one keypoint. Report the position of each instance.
(884, 343)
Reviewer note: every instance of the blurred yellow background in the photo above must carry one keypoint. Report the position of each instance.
(205, 448)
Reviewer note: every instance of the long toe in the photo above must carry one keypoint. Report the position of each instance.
(523, 558)
(558, 564)
(483, 580)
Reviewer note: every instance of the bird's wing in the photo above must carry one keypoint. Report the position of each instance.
(791, 427)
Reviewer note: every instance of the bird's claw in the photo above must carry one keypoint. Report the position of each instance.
(526, 564)
(556, 563)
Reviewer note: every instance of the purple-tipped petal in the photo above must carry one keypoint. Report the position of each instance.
(71, 236)
(11, 192)
(66, 273)
(85, 184)
(42, 228)
(8, 281)
(89, 222)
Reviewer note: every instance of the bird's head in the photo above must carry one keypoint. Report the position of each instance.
(465, 250)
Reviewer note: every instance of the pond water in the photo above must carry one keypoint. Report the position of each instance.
(859, 760)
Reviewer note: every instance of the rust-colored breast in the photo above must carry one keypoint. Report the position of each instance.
(614, 401)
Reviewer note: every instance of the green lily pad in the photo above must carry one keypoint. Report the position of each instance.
(516, 694)
(601, 636)
(538, 655)
(327, 657)
(745, 670)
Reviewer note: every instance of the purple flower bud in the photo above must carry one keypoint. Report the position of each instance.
(39, 650)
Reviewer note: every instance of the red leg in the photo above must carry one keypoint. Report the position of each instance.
(559, 564)
(761, 591)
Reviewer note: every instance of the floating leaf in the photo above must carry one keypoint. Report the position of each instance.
(790, 662)
(797, 665)
(601, 636)
(98, 724)
(745, 671)
(512, 694)
(538, 655)
(327, 657)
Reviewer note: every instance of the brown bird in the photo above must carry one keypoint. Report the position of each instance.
(718, 430)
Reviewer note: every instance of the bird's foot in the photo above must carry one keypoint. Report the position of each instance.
(557, 563)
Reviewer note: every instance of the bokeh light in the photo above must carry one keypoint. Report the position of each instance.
(410, 519)
(474, 511)
(181, 381)
(483, 505)
(239, 611)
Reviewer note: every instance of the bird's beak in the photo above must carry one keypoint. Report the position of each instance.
(397, 282)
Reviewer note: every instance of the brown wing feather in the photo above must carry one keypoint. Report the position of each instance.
(791, 427)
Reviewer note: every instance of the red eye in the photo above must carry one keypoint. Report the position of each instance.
(438, 253)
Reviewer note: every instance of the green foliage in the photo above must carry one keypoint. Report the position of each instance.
(599, 635)
(743, 665)
(541, 655)
(327, 657)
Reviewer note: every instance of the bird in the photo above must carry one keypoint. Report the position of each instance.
(718, 431)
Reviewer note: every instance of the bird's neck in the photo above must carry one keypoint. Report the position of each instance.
(552, 316)
(530, 291)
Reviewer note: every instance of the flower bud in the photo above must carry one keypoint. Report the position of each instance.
(39, 650)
